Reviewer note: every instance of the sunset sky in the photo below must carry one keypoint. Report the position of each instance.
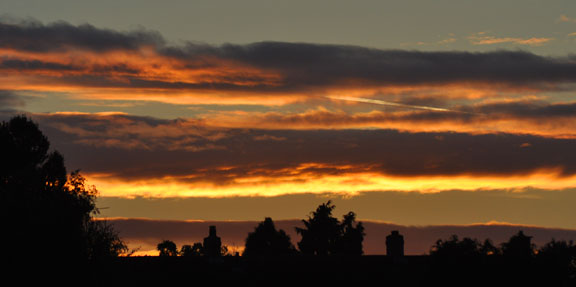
(408, 112)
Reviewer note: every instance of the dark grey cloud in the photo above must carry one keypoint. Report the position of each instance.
(530, 109)
(301, 66)
(19, 64)
(33, 36)
(306, 64)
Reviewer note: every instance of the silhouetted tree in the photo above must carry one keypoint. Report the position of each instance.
(350, 242)
(186, 250)
(192, 250)
(103, 241)
(519, 246)
(559, 249)
(467, 247)
(323, 234)
(167, 248)
(453, 247)
(197, 249)
(266, 240)
(40, 203)
(560, 256)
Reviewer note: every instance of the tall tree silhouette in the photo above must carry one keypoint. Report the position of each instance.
(267, 241)
(41, 204)
(323, 234)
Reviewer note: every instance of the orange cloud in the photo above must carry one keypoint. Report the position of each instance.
(191, 152)
(537, 123)
(483, 39)
(104, 64)
(347, 183)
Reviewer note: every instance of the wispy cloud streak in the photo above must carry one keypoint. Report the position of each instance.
(385, 103)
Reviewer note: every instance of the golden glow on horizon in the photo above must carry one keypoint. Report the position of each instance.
(348, 184)
(155, 252)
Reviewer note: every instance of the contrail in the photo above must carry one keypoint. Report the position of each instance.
(385, 103)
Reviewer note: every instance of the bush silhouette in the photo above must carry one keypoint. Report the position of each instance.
(267, 241)
(323, 234)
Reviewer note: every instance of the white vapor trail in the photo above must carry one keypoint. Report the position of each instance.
(385, 103)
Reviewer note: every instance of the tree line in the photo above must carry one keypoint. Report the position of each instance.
(322, 234)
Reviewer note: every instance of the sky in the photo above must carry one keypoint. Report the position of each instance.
(414, 113)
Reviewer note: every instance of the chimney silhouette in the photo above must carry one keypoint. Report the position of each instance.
(395, 244)
(212, 243)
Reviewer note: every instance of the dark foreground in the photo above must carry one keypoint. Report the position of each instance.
(325, 271)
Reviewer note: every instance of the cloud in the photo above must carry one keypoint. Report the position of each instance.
(91, 60)
(18, 64)
(313, 64)
(555, 120)
(126, 132)
(566, 19)
(450, 40)
(350, 146)
(33, 36)
(484, 39)
(130, 156)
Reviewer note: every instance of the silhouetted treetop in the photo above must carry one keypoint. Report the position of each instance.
(267, 241)
(323, 234)
(352, 236)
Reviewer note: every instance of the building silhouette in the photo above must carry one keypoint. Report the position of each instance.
(212, 243)
(395, 244)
